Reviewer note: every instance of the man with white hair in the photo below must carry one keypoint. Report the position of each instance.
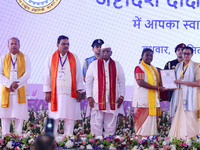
(105, 89)
(15, 70)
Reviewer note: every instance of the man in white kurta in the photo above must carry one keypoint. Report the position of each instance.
(68, 107)
(104, 118)
(15, 110)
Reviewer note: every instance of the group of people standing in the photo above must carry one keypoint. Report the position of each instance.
(184, 100)
(105, 90)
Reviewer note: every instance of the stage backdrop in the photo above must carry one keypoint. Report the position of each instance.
(127, 25)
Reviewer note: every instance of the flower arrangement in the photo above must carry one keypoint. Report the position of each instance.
(83, 139)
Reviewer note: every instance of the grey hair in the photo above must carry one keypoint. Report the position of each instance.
(14, 38)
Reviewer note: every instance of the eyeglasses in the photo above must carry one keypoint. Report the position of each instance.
(187, 54)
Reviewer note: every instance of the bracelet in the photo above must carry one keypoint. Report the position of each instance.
(121, 97)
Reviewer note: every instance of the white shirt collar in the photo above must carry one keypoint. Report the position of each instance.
(62, 55)
(13, 56)
(106, 61)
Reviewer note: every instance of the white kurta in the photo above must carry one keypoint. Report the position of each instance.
(92, 84)
(15, 110)
(106, 119)
(68, 107)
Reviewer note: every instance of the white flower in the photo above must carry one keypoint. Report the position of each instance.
(83, 139)
(151, 147)
(69, 144)
(150, 137)
(81, 147)
(101, 146)
(75, 130)
(26, 135)
(9, 145)
(80, 128)
(173, 147)
(31, 141)
(144, 138)
(112, 148)
(141, 147)
(99, 137)
(58, 139)
(89, 146)
(72, 137)
(135, 147)
(117, 137)
(189, 142)
(164, 143)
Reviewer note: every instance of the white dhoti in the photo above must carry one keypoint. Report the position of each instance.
(16, 111)
(184, 123)
(106, 119)
(68, 110)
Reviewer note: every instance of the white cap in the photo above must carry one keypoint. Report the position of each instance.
(105, 45)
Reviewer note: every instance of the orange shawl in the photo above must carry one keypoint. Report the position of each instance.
(6, 72)
(54, 69)
(102, 84)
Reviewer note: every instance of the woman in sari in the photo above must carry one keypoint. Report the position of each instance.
(185, 99)
(146, 96)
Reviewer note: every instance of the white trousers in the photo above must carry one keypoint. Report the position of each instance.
(5, 123)
(100, 120)
(68, 126)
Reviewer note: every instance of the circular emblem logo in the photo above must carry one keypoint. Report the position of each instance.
(38, 6)
(167, 74)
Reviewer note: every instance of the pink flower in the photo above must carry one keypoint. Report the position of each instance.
(92, 140)
(27, 146)
(20, 136)
(180, 144)
(83, 143)
(84, 135)
(86, 129)
(140, 141)
(185, 144)
(16, 148)
(122, 138)
(165, 147)
(1, 141)
(167, 138)
(35, 125)
(108, 139)
(63, 137)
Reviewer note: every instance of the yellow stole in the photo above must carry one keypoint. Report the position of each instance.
(151, 93)
(6, 72)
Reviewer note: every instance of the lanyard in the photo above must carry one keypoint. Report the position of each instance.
(62, 64)
(13, 63)
(184, 69)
